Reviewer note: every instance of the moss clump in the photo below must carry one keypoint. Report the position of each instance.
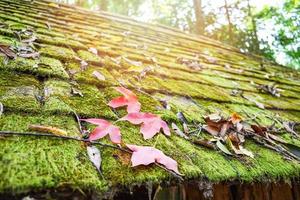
(92, 104)
(42, 163)
(60, 41)
(87, 76)
(44, 31)
(44, 66)
(88, 56)
(60, 53)
(20, 98)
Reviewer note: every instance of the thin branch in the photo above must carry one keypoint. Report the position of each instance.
(173, 173)
(78, 122)
(36, 134)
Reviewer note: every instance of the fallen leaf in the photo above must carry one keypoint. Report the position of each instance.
(29, 55)
(151, 124)
(75, 92)
(99, 75)
(238, 149)
(260, 130)
(205, 143)
(178, 131)
(222, 147)
(103, 128)
(217, 128)
(48, 25)
(83, 65)
(246, 152)
(47, 129)
(5, 49)
(258, 104)
(1, 108)
(131, 62)
(93, 50)
(289, 127)
(235, 118)
(181, 118)
(30, 40)
(144, 155)
(215, 117)
(128, 99)
(271, 89)
(54, 5)
(95, 157)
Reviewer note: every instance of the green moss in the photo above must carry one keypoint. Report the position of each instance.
(61, 53)
(20, 98)
(42, 163)
(59, 41)
(44, 31)
(51, 67)
(9, 17)
(44, 66)
(88, 56)
(18, 92)
(7, 40)
(92, 104)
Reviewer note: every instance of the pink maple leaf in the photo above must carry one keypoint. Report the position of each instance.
(104, 127)
(128, 99)
(151, 123)
(145, 155)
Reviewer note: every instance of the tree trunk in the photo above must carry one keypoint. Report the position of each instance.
(229, 21)
(199, 17)
(103, 5)
(254, 31)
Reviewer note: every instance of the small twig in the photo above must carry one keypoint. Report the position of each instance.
(78, 122)
(253, 118)
(173, 173)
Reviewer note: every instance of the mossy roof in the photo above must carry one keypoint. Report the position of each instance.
(39, 91)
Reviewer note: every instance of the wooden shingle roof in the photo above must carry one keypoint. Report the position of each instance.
(194, 75)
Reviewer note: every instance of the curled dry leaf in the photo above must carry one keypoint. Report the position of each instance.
(1, 108)
(103, 128)
(75, 92)
(99, 75)
(258, 104)
(47, 129)
(289, 127)
(5, 49)
(145, 155)
(217, 128)
(260, 130)
(180, 116)
(93, 50)
(30, 55)
(222, 147)
(83, 65)
(128, 99)
(95, 157)
(271, 89)
(178, 131)
(238, 149)
(151, 124)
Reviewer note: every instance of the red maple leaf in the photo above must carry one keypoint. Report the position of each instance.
(151, 123)
(104, 127)
(145, 155)
(128, 99)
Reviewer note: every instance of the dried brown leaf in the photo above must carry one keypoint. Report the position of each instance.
(99, 75)
(48, 129)
(5, 49)
(178, 131)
